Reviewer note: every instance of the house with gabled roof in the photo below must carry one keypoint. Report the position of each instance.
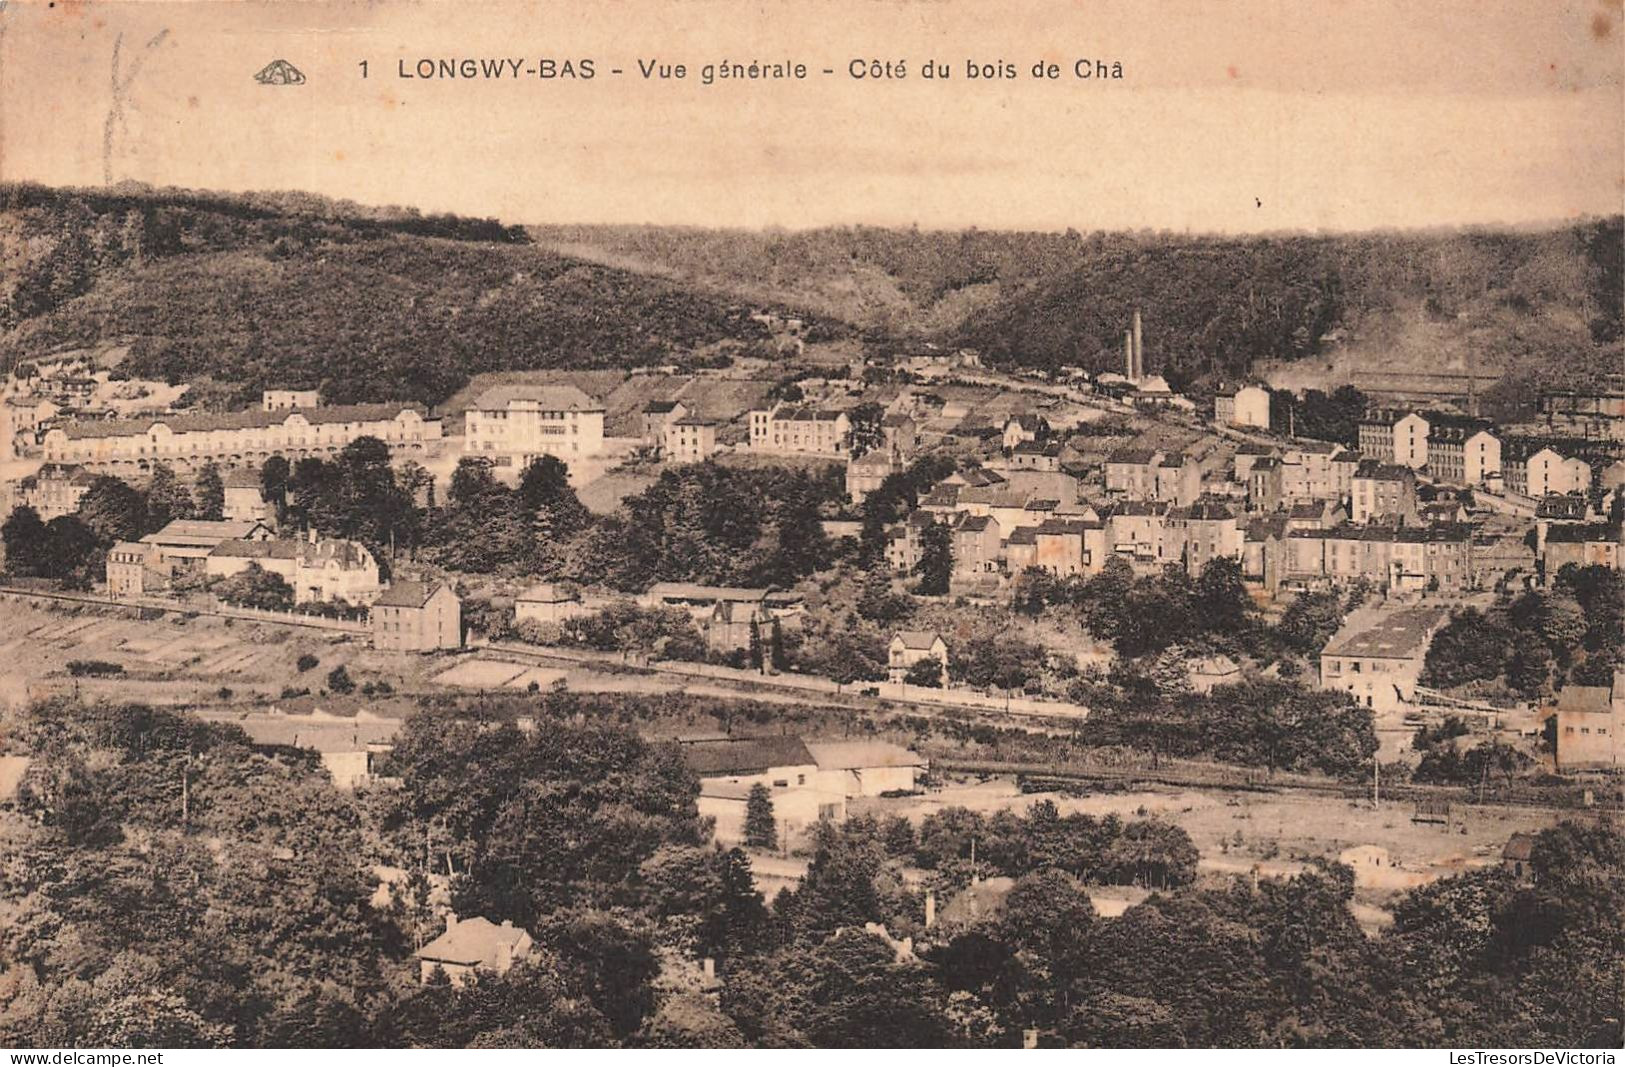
(417, 616)
(730, 767)
(187, 543)
(909, 647)
(470, 945)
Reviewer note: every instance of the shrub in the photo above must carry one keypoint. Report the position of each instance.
(339, 680)
(94, 668)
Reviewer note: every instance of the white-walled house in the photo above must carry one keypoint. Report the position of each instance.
(729, 767)
(909, 647)
(1378, 663)
(867, 768)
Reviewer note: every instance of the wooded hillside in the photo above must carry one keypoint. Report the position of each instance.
(1213, 306)
(383, 303)
(296, 291)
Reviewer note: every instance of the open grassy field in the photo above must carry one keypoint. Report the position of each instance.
(178, 660)
(1276, 834)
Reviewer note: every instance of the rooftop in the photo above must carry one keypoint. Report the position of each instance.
(472, 942)
(545, 397)
(918, 640)
(203, 531)
(745, 755)
(1132, 455)
(848, 755)
(256, 418)
(407, 595)
(1590, 699)
(1403, 635)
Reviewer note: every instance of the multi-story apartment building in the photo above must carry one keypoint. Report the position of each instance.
(515, 424)
(1383, 491)
(1550, 471)
(1462, 450)
(691, 440)
(1132, 473)
(977, 541)
(1179, 479)
(1408, 558)
(1136, 530)
(243, 437)
(658, 418)
(790, 429)
(1203, 532)
(1266, 479)
(1310, 471)
(126, 570)
(417, 617)
(1395, 436)
(55, 490)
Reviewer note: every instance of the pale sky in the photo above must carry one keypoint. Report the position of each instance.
(1237, 116)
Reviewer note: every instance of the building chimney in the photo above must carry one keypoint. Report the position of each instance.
(710, 966)
(1128, 354)
(312, 535)
(1139, 348)
(930, 908)
(451, 921)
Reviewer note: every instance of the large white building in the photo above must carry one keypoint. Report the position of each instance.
(1248, 405)
(1378, 663)
(514, 424)
(238, 438)
(1395, 436)
(1549, 471)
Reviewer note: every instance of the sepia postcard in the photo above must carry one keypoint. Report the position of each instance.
(837, 524)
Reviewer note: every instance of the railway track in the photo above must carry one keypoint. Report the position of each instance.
(1245, 780)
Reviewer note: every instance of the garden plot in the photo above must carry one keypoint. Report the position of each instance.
(480, 674)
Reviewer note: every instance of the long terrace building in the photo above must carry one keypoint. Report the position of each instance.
(237, 438)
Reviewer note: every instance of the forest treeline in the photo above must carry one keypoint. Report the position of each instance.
(1213, 306)
(296, 290)
(292, 291)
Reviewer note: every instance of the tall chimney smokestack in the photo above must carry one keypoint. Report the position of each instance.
(1128, 354)
(1139, 348)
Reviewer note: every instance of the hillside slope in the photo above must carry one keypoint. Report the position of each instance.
(367, 310)
(1535, 302)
